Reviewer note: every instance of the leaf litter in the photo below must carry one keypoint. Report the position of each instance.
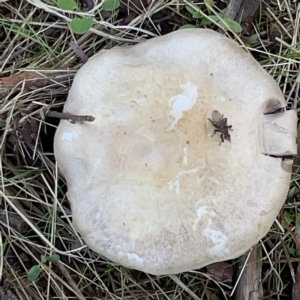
(36, 73)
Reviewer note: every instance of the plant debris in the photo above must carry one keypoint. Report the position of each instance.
(72, 118)
(37, 66)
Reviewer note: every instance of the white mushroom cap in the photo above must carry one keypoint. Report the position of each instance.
(149, 187)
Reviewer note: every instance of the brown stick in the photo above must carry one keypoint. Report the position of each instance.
(80, 53)
(288, 228)
(36, 79)
(70, 117)
(243, 11)
(249, 286)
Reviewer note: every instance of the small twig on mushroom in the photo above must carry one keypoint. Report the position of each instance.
(70, 117)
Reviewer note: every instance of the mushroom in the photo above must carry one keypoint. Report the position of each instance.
(149, 185)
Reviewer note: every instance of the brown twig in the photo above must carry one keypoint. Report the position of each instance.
(70, 117)
(288, 228)
(70, 284)
(288, 260)
(70, 280)
(36, 78)
(249, 286)
(243, 11)
(79, 52)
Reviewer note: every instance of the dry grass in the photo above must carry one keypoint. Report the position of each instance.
(35, 213)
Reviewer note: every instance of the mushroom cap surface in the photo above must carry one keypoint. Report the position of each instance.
(150, 187)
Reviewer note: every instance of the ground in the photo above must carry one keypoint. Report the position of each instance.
(42, 255)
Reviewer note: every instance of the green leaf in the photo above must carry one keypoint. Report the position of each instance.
(81, 25)
(292, 192)
(233, 25)
(205, 21)
(67, 4)
(187, 26)
(288, 217)
(190, 9)
(34, 273)
(53, 258)
(209, 3)
(224, 23)
(208, 21)
(252, 39)
(43, 258)
(110, 5)
(197, 15)
(291, 250)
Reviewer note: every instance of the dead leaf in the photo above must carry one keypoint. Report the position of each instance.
(220, 271)
(79, 52)
(14, 221)
(27, 130)
(35, 79)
